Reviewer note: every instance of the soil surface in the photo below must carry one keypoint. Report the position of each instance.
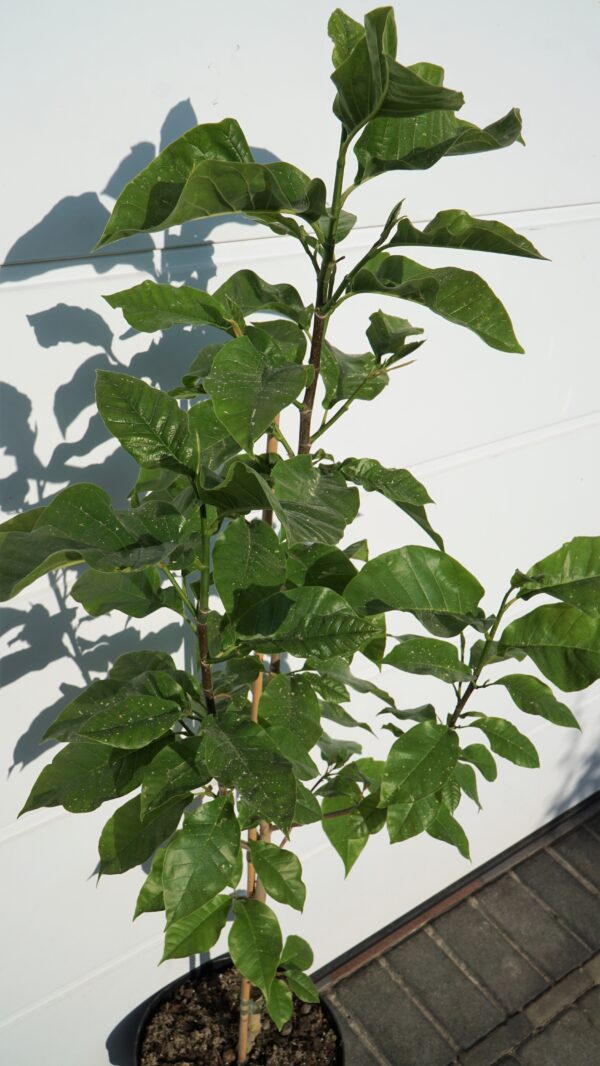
(198, 1026)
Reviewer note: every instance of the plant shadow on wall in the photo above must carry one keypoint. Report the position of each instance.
(39, 636)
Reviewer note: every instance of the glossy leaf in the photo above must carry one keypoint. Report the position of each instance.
(467, 780)
(424, 655)
(150, 307)
(135, 594)
(479, 755)
(534, 697)
(506, 740)
(84, 515)
(312, 505)
(458, 229)
(319, 564)
(248, 563)
(279, 1002)
(133, 663)
(359, 377)
(302, 986)
(248, 389)
(255, 942)
(128, 840)
(198, 931)
(149, 424)
(175, 770)
(200, 859)
(297, 954)
(396, 485)
(280, 872)
(348, 833)
(215, 444)
(563, 643)
(305, 622)
(345, 33)
(289, 711)
(571, 574)
(246, 291)
(419, 763)
(431, 585)
(150, 897)
(460, 296)
(134, 721)
(388, 335)
(445, 827)
(406, 820)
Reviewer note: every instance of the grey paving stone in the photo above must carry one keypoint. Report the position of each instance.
(530, 926)
(503, 1039)
(582, 850)
(355, 1052)
(490, 957)
(555, 999)
(462, 1009)
(567, 897)
(393, 1022)
(590, 1005)
(568, 1041)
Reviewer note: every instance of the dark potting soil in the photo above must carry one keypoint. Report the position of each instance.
(198, 1026)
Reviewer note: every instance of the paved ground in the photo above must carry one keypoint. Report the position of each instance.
(509, 976)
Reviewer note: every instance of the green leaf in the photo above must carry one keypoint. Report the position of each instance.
(296, 954)
(467, 780)
(112, 702)
(241, 490)
(319, 564)
(312, 505)
(279, 1002)
(242, 755)
(450, 793)
(150, 897)
(348, 833)
(563, 643)
(429, 584)
(445, 827)
(246, 291)
(419, 763)
(149, 307)
(479, 755)
(280, 872)
(302, 986)
(424, 655)
(84, 515)
(336, 752)
(388, 334)
(200, 859)
(249, 388)
(406, 820)
(534, 697)
(458, 229)
(248, 563)
(460, 296)
(506, 740)
(307, 808)
(396, 485)
(255, 942)
(359, 377)
(198, 931)
(571, 574)
(215, 444)
(345, 34)
(131, 722)
(128, 840)
(424, 713)
(149, 424)
(133, 663)
(27, 553)
(334, 712)
(176, 769)
(289, 711)
(135, 594)
(338, 670)
(305, 621)
(370, 82)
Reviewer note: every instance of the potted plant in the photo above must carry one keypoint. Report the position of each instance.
(242, 532)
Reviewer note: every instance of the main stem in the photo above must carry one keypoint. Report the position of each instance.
(470, 689)
(202, 613)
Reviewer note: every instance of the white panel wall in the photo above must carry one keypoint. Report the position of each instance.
(506, 444)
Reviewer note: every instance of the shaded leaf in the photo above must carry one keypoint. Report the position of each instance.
(305, 622)
(279, 1002)
(506, 740)
(406, 820)
(312, 505)
(563, 643)
(248, 563)
(135, 594)
(200, 859)
(280, 872)
(255, 942)
(246, 291)
(388, 335)
(302, 986)
(128, 840)
(458, 229)
(419, 763)
(198, 931)
(424, 655)
(359, 377)
(445, 827)
(150, 897)
(534, 697)
(319, 564)
(479, 755)
(467, 779)
(296, 954)
(176, 769)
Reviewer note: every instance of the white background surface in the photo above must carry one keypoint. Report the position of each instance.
(507, 445)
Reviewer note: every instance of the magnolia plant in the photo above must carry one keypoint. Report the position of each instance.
(243, 536)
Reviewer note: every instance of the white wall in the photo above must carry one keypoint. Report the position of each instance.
(507, 445)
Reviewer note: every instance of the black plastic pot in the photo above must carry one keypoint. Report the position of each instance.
(223, 962)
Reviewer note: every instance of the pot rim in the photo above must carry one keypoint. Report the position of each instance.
(216, 965)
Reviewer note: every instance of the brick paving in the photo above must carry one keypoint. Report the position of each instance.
(507, 976)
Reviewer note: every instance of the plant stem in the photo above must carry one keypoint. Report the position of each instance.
(470, 689)
(183, 596)
(202, 614)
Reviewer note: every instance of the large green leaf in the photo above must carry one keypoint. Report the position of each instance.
(312, 505)
(419, 763)
(240, 754)
(458, 229)
(134, 663)
(406, 820)
(198, 931)
(27, 553)
(425, 655)
(242, 489)
(149, 424)
(150, 897)
(445, 827)
(84, 514)
(289, 711)
(249, 388)
(135, 594)
(359, 377)
(460, 296)
(571, 574)
(345, 33)
(280, 872)
(255, 942)
(563, 643)
(319, 564)
(370, 82)
(479, 756)
(397, 485)
(349, 832)
(305, 621)
(113, 700)
(201, 857)
(133, 722)
(428, 583)
(279, 1002)
(418, 143)
(248, 563)
(128, 840)
(534, 697)
(250, 293)
(215, 444)
(506, 740)
(149, 307)
(176, 769)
